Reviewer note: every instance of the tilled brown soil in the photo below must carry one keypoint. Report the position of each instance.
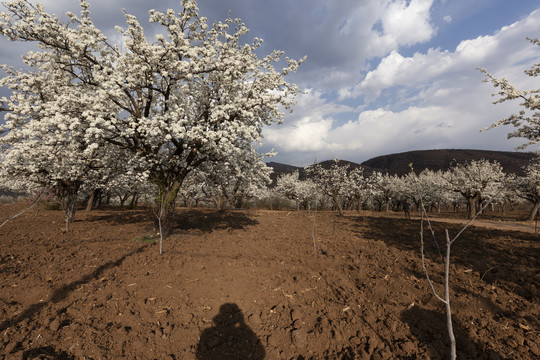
(250, 285)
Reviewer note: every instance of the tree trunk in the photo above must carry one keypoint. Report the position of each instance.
(91, 199)
(534, 211)
(239, 202)
(134, 200)
(338, 204)
(99, 199)
(67, 193)
(471, 206)
(123, 199)
(169, 205)
(168, 189)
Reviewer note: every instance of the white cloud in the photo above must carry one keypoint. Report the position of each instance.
(396, 70)
(447, 19)
(347, 34)
(308, 134)
(408, 23)
(477, 50)
(308, 127)
(504, 49)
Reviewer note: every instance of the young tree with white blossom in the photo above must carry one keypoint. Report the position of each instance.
(193, 94)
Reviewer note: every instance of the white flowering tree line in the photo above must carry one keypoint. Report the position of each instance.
(469, 184)
(194, 95)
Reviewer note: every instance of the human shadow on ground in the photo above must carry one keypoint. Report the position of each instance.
(229, 338)
(514, 266)
(64, 291)
(430, 328)
(210, 220)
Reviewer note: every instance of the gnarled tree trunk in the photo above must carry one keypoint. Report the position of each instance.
(67, 192)
(472, 206)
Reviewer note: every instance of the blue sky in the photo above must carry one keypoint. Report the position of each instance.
(381, 76)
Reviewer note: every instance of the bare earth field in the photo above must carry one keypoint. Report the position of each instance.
(249, 285)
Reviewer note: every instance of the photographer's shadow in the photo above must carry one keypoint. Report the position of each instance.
(229, 338)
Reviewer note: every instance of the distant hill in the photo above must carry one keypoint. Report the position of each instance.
(282, 167)
(511, 162)
(352, 165)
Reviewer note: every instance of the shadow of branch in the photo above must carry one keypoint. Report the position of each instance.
(62, 292)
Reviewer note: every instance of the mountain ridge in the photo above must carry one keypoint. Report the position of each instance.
(436, 159)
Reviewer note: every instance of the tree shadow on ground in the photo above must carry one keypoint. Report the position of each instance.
(64, 291)
(120, 216)
(210, 220)
(430, 328)
(183, 219)
(229, 337)
(501, 312)
(508, 257)
(47, 352)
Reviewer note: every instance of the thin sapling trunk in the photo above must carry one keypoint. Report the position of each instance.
(159, 215)
(446, 297)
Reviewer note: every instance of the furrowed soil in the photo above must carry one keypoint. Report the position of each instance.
(254, 284)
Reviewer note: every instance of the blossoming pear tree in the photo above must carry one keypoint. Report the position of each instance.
(357, 188)
(432, 183)
(476, 181)
(194, 93)
(289, 185)
(332, 182)
(234, 181)
(384, 189)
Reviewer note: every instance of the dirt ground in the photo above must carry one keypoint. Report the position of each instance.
(251, 285)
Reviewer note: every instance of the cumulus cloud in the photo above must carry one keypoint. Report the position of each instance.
(308, 127)
(505, 48)
(408, 23)
(340, 38)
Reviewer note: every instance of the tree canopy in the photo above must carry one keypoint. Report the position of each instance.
(195, 93)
